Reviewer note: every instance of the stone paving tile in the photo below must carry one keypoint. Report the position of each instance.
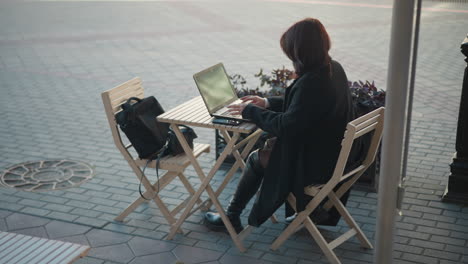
(3, 226)
(33, 231)
(99, 238)
(20, 221)
(90, 221)
(155, 235)
(120, 253)
(143, 246)
(306, 254)
(64, 217)
(234, 259)
(36, 211)
(4, 214)
(212, 246)
(78, 239)
(249, 253)
(89, 260)
(57, 229)
(279, 258)
(121, 228)
(165, 257)
(190, 255)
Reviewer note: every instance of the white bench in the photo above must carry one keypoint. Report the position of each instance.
(17, 248)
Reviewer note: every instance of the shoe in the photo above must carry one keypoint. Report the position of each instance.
(214, 221)
(249, 183)
(289, 219)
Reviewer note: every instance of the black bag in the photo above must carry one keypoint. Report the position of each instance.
(150, 138)
(173, 145)
(138, 122)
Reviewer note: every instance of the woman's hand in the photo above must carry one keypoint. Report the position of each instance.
(249, 99)
(236, 109)
(256, 100)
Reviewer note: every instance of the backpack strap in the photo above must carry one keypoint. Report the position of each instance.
(127, 104)
(160, 154)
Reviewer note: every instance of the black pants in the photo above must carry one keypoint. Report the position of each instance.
(248, 185)
(250, 182)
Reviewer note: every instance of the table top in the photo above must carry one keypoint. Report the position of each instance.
(194, 113)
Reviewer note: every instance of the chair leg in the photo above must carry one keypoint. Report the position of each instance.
(342, 190)
(179, 207)
(187, 185)
(164, 180)
(321, 242)
(239, 163)
(273, 219)
(151, 189)
(302, 219)
(292, 227)
(244, 233)
(349, 220)
(130, 209)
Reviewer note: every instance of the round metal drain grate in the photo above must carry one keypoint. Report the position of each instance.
(46, 175)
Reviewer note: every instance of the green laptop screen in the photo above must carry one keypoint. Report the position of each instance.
(215, 87)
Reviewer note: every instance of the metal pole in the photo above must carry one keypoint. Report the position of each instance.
(411, 89)
(394, 127)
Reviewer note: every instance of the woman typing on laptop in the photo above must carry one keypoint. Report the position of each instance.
(307, 125)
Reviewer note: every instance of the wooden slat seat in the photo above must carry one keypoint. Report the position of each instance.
(23, 249)
(175, 162)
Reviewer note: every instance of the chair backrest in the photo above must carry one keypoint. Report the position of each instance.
(113, 99)
(359, 127)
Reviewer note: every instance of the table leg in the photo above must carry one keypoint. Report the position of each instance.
(241, 157)
(239, 163)
(198, 169)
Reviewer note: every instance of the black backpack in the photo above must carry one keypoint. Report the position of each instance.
(138, 122)
(150, 138)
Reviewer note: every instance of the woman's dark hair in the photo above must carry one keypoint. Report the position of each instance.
(306, 43)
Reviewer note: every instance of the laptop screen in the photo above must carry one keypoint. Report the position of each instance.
(215, 87)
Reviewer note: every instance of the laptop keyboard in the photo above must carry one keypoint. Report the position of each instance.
(225, 113)
(228, 114)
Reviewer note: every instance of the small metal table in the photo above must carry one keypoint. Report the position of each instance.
(194, 113)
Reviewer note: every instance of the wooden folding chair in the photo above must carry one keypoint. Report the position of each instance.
(372, 121)
(174, 165)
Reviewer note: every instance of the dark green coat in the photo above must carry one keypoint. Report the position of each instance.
(309, 122)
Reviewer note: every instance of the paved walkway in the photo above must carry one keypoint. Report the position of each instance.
(57, 57)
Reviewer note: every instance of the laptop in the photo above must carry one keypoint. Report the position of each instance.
(217, 92)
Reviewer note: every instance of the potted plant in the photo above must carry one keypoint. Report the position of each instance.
(366, 98)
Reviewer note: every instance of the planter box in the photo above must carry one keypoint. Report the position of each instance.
(369, 181)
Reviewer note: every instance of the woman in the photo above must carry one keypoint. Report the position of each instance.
(309, 123)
